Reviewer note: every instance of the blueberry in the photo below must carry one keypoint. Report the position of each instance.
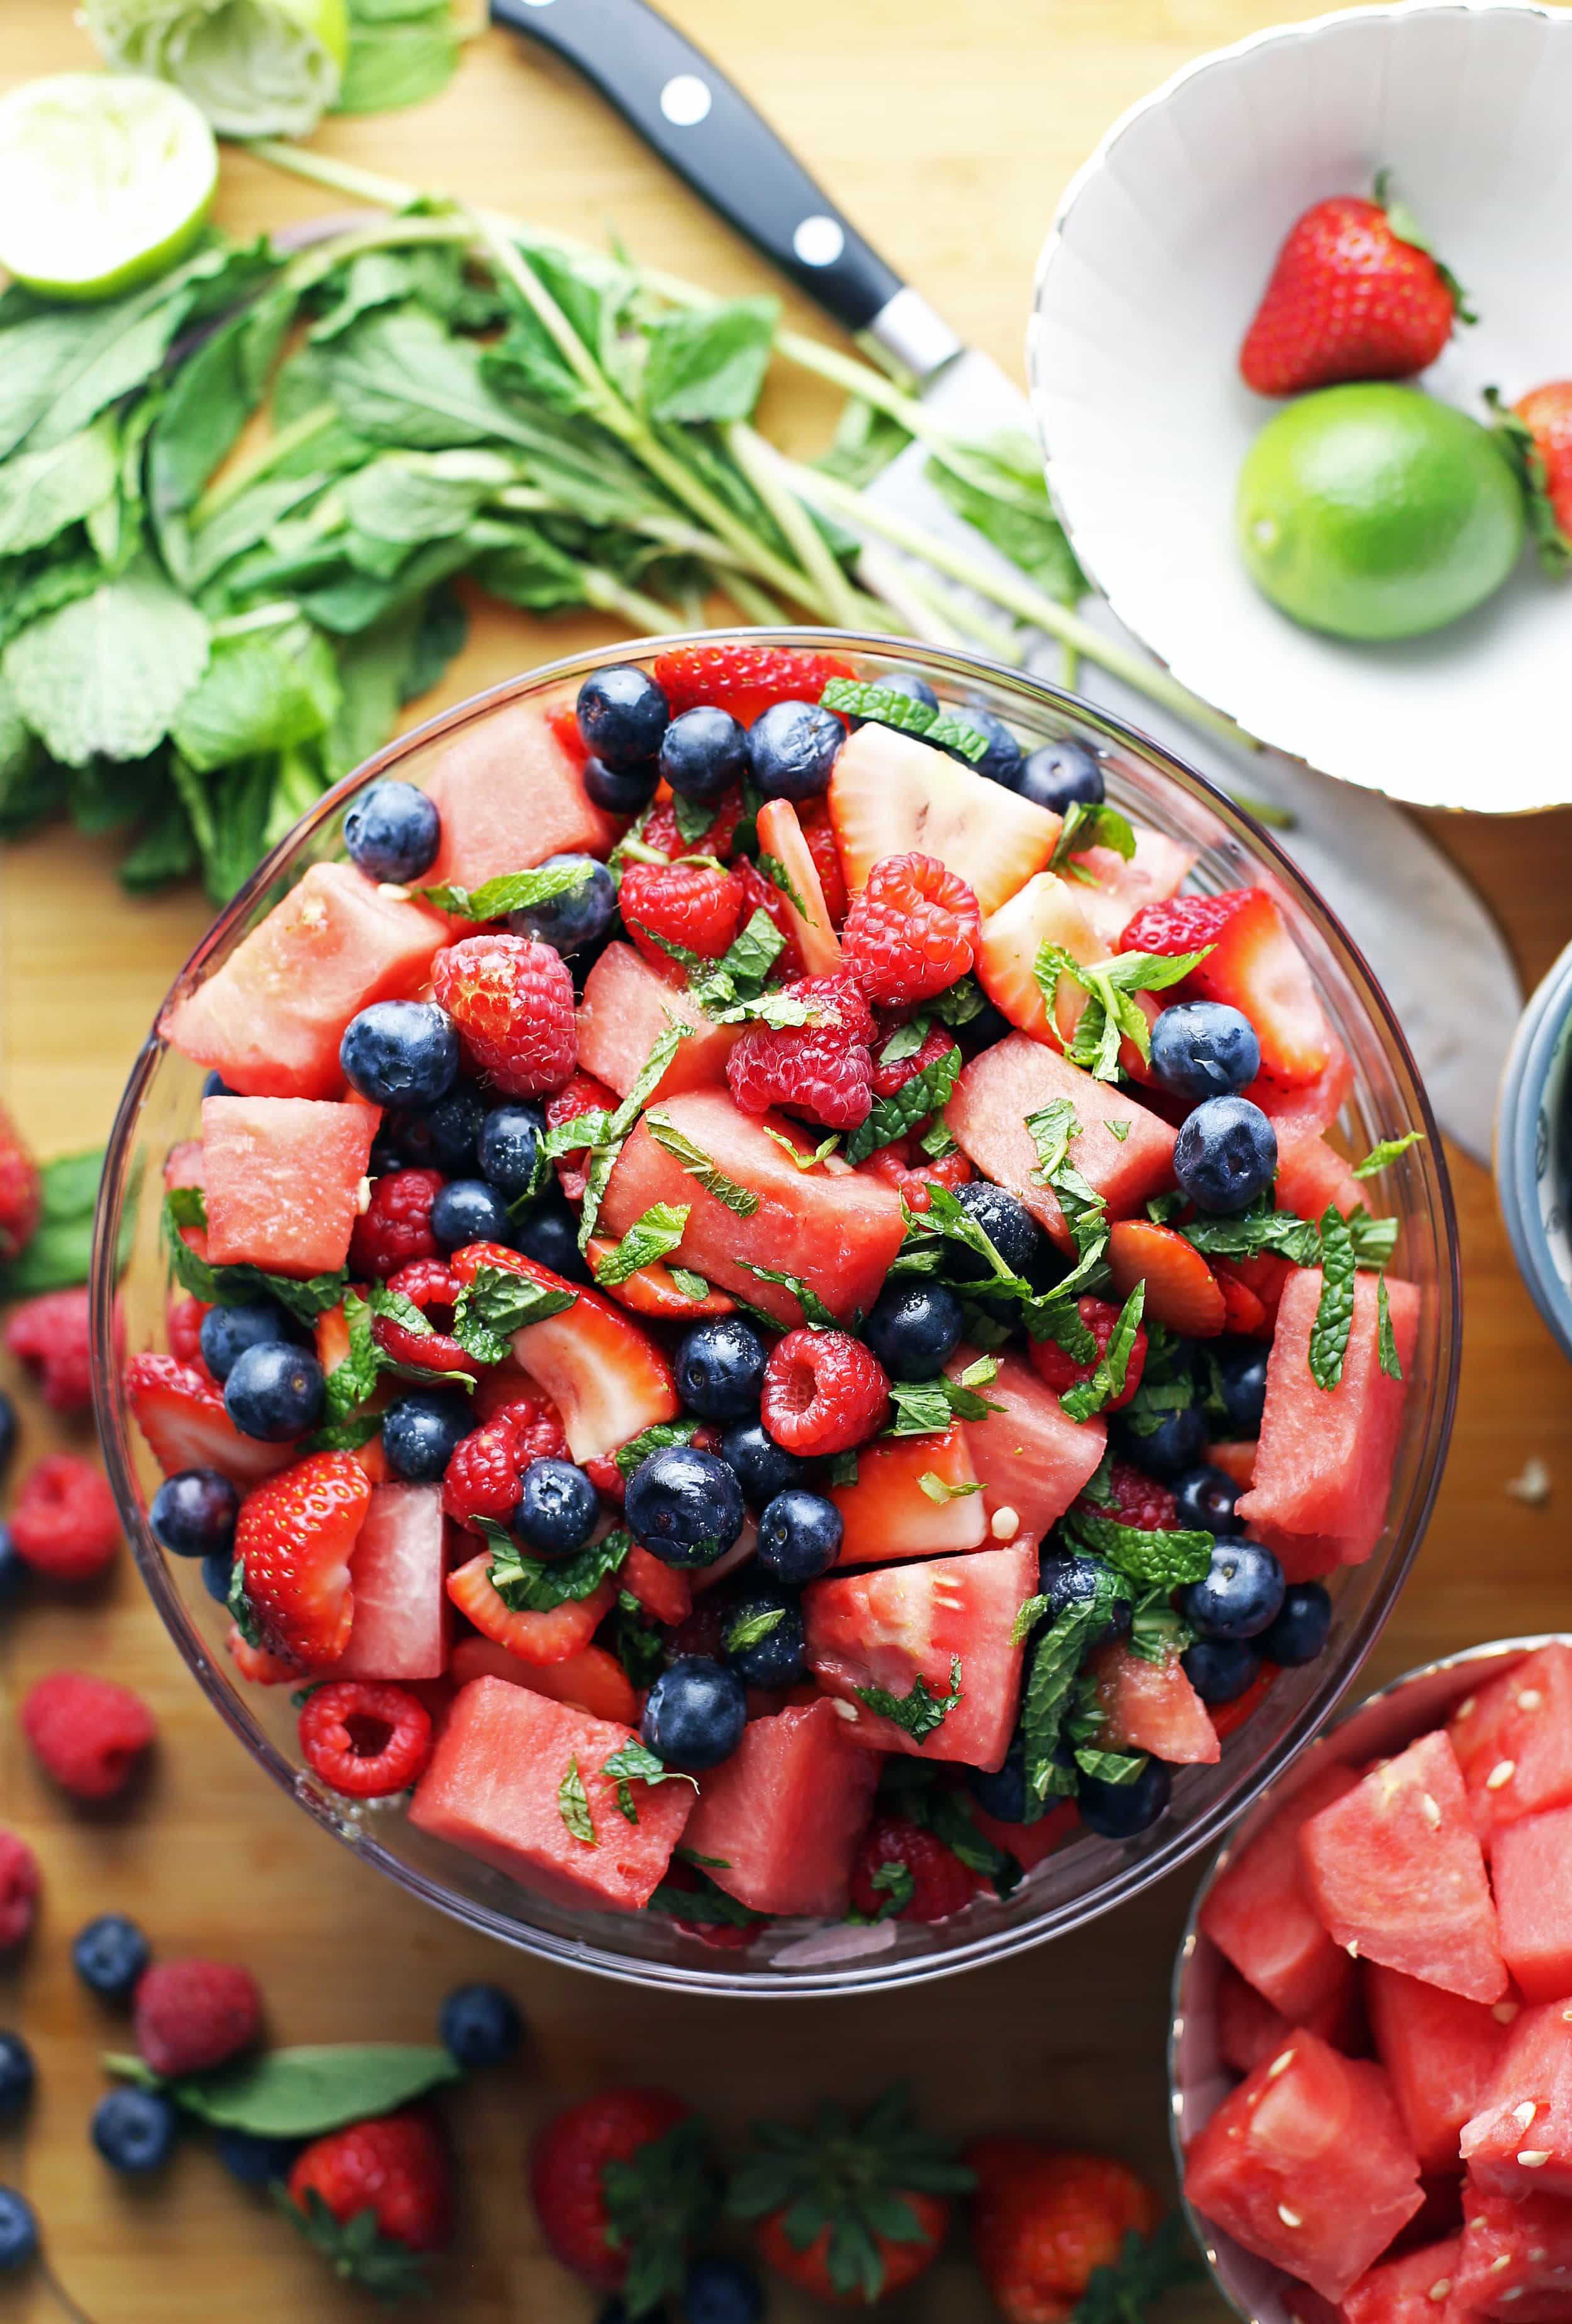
(479, 2025)
(625, 792)
(274, 1392)
(720, 1368)
(193, 1514)
(622, 715)
(393, 832)
(1202, 1048)
(214, 1086)
(402, 1053)
(1300, 1632)
(791, 748)
(703, 753)
(579, 916)
(226, 1332)
(12, 1566)
(441, 1137)
(1120, 1810)
(720, 2289)
(16, 2075)
(1069, 1581)
(1239, 1596)
(466, 1210)
(1206, 1497)
(1008, 1225)
(1226, 1154)
(135, 2130)
(549, 1235)
(799, 1536)
(1173, 1446)
(1004, 760)
(8, 1429)
(18, 2231)
(1062, 775)
(1220, 1669)
(109, 1955)
(684, 1506)
(257, 2162)
(777, 1658)
(763, 1468)
(1002, 1794)
(422, 1431)
(694, 1713)
(509, 1147)
(1240, 1371)
(907, 683)
(558, 1509)
(914, 1329)
(217, 1574)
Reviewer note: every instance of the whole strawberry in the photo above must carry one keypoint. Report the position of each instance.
(374, 2196)
(512, 1002)
(1042, 2221)
(622, 2186)
(1354, 294)
(1537, 434)
(292, 1541)
(20, 1196)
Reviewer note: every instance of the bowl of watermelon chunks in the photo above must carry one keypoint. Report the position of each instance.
(790, 1311)
(1372, 2049)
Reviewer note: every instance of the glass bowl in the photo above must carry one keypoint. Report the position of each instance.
(1090, 1874)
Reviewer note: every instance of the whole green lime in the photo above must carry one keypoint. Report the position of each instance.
(1374, 511)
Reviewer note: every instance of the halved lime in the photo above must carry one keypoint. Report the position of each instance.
(1375, 511)
(105, 180)
(256, 68)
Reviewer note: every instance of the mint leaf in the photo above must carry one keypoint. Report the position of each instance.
(927, 1092)
(1158, 1633)
(238, 1603)
(1251, 1232)
(648, 1240)
(850, 698)
(304, 1298)
(705, 1905)
(692, 1287)
(945, 1813)
(898, 1884)
(606, 1132)
(959, 1002)
(841, 1468)
(1119, 1129)
(1383, 1155)
(696, 1163)
(1373, 1239)
(572, 1805)
(1111, 1766)
(514, 891)
(1108, 1381)
(752, 1628)
(536, 1585)
(775, 872)
(1055, 1662)
(302, 2092)
(653, 1439)
(692, 817)
(920, 1713)
(924, 1408)
(1164, 1559)
(1052, 1127)
(497, 1304)
(815, 1311)
(1334, 1317)
(740, 973)
(635, 1762)
(936, 1489)
(59, 1253)
(1088, 826)
(1386, 1338)
(904, 1041)
(800, 1160)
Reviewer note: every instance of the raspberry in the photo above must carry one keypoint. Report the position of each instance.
(887, 1079)
(687, 904)
(660, 830)
(1135, 1500)
(762, 895)
(18, 1889)
(191, 2015)
(512, 1002)
(396, 1226)
(583, 1094)
(425, 1283)
(813, 817)
(941, 1883)
(820, 1070)
(744, 680)
(1061, 1371)
(365, 1739)
(913, 930)
(20, 1196)
(51, 1335)
(65, 1523)
(606, 1479)
(823, 1392)
(183, 1320)
(841, 1001)
(87, 1733)
(483, 1477)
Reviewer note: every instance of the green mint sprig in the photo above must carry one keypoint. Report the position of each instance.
(652, 1237)
(741, 1201)
(1385, 1152)
(920, 1712)
(927, 1091)
(537, 1585)
(513, 891)
(849, 698)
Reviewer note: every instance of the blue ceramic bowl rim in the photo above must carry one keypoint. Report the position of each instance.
(1539, 1049)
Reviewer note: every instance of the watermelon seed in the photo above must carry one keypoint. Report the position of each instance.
(1538, 2254)
(1352, 1949)
(1441, 2290)
(1505, 2012)
(1497, 2265)
(1430, 1810)
(1004, 1524)
(1465, 1710)
(1513, 2292)
(1280, 2065)
(1290, 2218)
(1501, 1772)
(1534, 2159)
(1523, 2115)
(363, 1196)
(1530, 1699)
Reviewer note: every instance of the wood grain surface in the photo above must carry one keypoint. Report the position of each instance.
(947, 132)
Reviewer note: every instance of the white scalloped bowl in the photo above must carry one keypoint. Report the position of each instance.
(1145, 289)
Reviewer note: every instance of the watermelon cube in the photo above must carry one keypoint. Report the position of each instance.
(1159, 867)
(779, 1822)
(1396, 1875)
(283, 1180)
(914, 1497)
(1152, 1707)
(1411, 2290)
(1306, 2164)
(1030, 1844)
(886, 1631)
(1312, 1105)
(838, 1229)
(495, 1788)
(1249, 2029)
(510, 794)
(401, 1604)
(1531, 1865)
(1516, 2257)
(1031, 1457)
(628, 1005)
(593, 1680)
(1312, 1175)
(1440, 2053)
(271, 1018)
(1513, 1740)
(1324, 1470)
(987, 1115)
(1520, 2143)
(1258, 1911)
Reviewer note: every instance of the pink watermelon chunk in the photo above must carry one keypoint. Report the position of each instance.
(1311, 1175)
(510, 794)
(1158, 869)
(890, 1628)
(271, 1018)
(887, 1513)
(1031, 1457)
(1394, 1871)
(1306, 2164)
(1531, 1864)
(838, 1229)
(1249, 2029)
(1413, 2290)
(987, 1111)
(1441, 2052)
(1513, 1740)
(1152, 1707)
(627, 1005)
(1312, 1105)
(492, 1789)
(397, 1571)
(283, 1180)
(783, 1814)
(1324, 1470)
(1520, 2143)
(1258, 1911)
(1516, 2257)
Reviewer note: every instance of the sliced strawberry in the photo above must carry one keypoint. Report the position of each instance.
(819, 832)
(181, 1412)
(762, 895)
(891, 795)
(294, 1536)
(659, 1589)
(257, 1667)
(332, 1337)
(1245, 1313)
(780, 837)
(593, 1680)
(1046, 910)
(1236, 1459)
(1181, 1291)
(1307, 1106)
(550, 1637)
(744, 680)
(655, 1290)
(564, 724)
(1265, 1275)
(718, 837)
(1255, 965)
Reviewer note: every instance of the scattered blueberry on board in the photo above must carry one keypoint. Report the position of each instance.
(109, 1955)
(481, 2025)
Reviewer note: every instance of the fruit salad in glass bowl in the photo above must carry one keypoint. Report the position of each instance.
(791, 1309)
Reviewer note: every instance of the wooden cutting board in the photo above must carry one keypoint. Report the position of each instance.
(947, 134)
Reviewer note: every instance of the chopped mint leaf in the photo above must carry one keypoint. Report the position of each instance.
(608, 1131)
(1111, 1766)
(920, 1713)
(801, 1161)
(239, 1606)
(927, 1092)
(897, 1885)
(936, 1140)
(1052, 1127)
(1092, 826)
(653, 1439)
(815, 1311)
(1334, 1318)
(536, 1585)
(635, 1762)
(1373, 1239)
(1111, 1014)
(514, 891)
(1056, 1658)
(636, 1642)
(740, 973)
(775, 872)
(350, 1382)
(1165, 1558)
(706, 1905)
(497, 1304)
(693, 816)
(1250, 1232)
(931, 1483)
(944, 1812)
(959, 1002)
(1386, 1338)
(572, 1805)
(1386, 1152)
(849, 698)
(904, 1041)
(1163, 1209)
(303, 1297)
(927, 1407)
(399, 1308)
(1119, 1129)
(650, 1239)
(773, 1009)
(1108, 1381)
(740, 1200)
(1158, 1633)
(1099, 1486)
(841, 1469)
(752, 1627)
(692, 1287)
